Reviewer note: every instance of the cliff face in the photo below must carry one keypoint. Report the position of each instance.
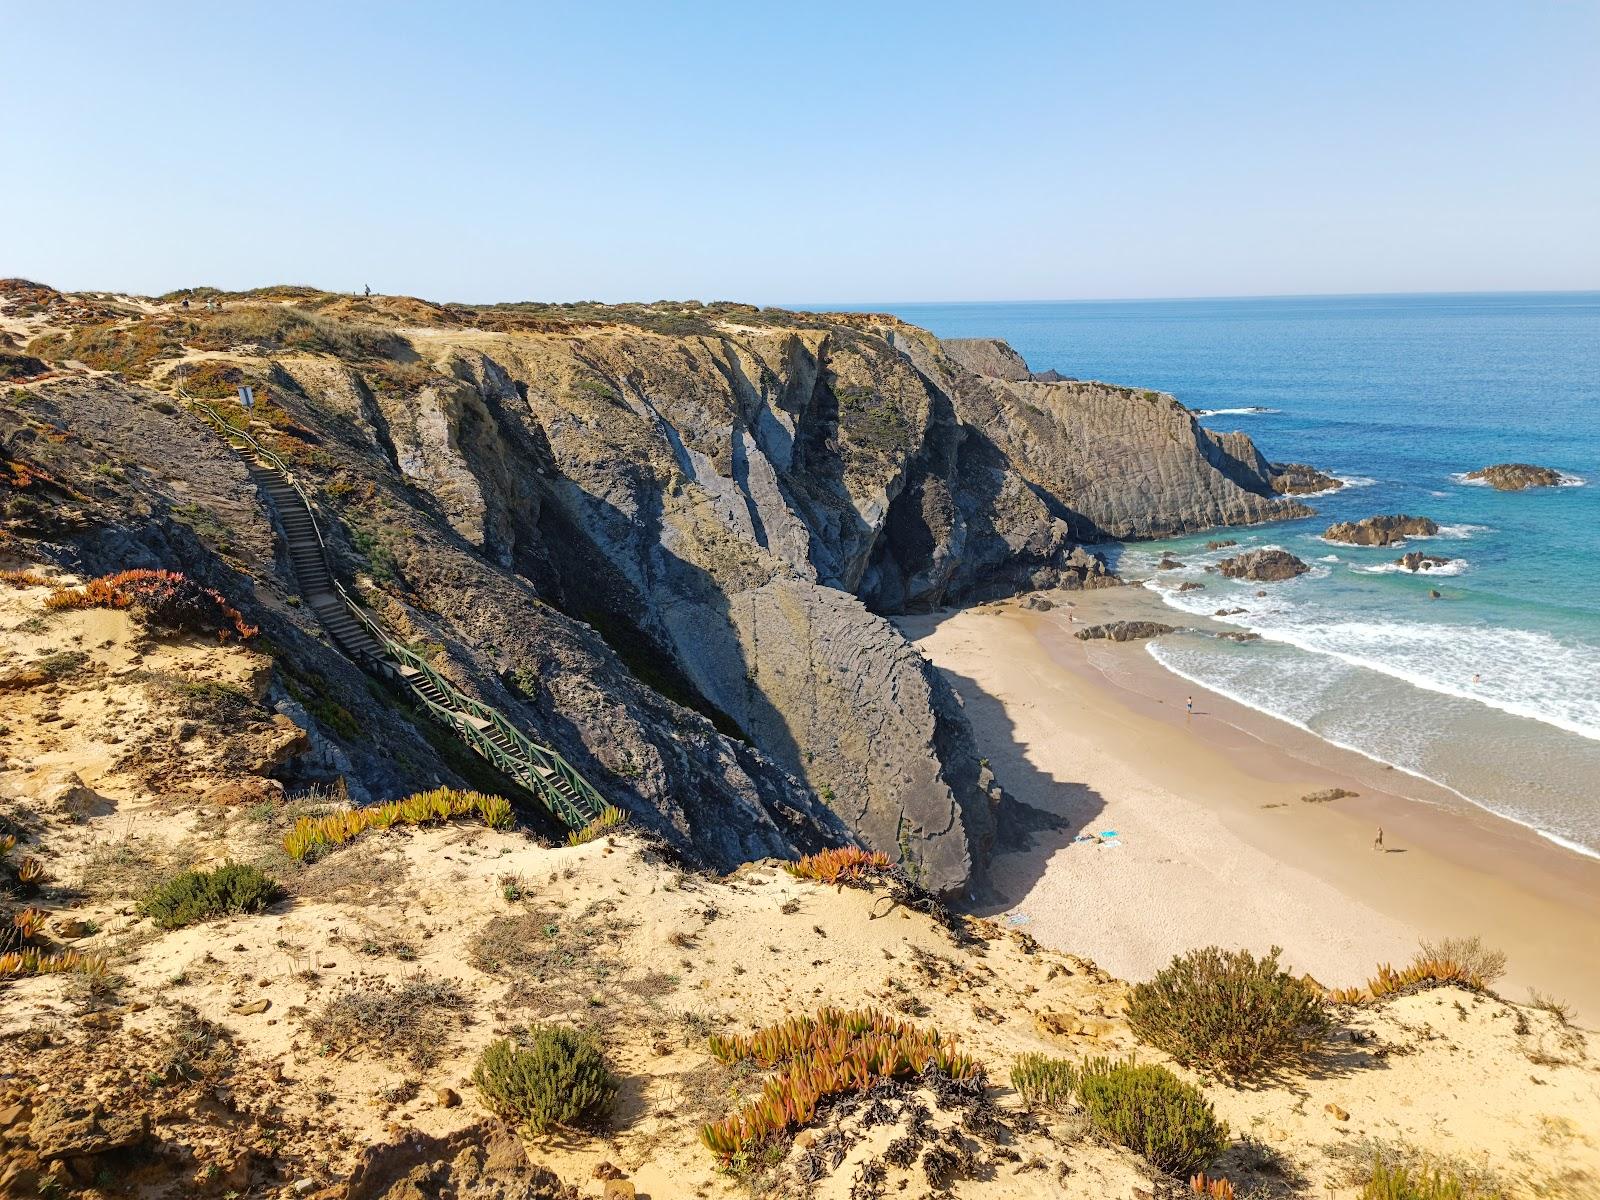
(726, 497)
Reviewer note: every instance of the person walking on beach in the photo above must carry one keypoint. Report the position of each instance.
(1377, 842)
(1188, 706)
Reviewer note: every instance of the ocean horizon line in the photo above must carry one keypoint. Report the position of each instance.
(886, 305)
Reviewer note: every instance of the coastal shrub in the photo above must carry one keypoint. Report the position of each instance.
(1485, 963)
(555, 1077)
(31, 961)
(1042, 1081)
(1229, 1012)
(23, 579)
(1423, 1183)
(1422, 973)
(280, 327)
(210, 379)
(847, 864)
(168, 599)
(611, 818)
(1151, 1111)
(194, 896)
(311, 836)
(130, 350)
(837, 1052)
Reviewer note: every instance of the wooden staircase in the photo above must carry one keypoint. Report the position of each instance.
(542, 771)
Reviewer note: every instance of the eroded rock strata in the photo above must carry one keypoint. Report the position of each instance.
(663, 537)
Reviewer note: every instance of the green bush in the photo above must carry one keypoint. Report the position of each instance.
(1403, 1183)
(556, 1077)
(1229, 1012)
(1151, 1111)
(199, 895)
(1042, 1081)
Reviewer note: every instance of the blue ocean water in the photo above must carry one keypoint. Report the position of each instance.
(1492, 690)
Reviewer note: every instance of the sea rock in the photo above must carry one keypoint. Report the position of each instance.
(1168, 563)
(1190, 585)
(1263, 566)
(1415, 561)
(1228, 612)
(1327, 794)
(1514, 477)
(1038, 603)
(1381, 531)
(1223, 544)
(1435, 594)
(1240, 635)
(1296, 479)
(1124, 631)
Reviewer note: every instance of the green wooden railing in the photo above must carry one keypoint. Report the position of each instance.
(545, 773)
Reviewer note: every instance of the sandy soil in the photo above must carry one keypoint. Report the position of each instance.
(1214, 843)
(431, 943)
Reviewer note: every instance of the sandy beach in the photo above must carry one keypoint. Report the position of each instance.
(1213, 843)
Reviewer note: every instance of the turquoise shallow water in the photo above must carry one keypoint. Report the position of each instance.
(1493, 690)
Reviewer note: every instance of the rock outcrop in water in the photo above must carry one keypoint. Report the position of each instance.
(1514, 477)
(1263, 566)
(1124, 631)
(1300, 479)
(610, 520)
(1381, 531)
(1415, 561)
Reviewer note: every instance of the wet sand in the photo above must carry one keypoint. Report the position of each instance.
(1214, 844)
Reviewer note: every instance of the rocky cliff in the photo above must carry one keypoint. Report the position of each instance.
(661, 535)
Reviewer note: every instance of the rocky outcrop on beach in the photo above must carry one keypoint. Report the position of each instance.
(1514, 477)
(1264, 566)
(1222, 544)
(1415, 561)
(1381, 530)
(1124, 631)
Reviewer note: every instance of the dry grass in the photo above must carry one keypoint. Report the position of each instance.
(556, 960)
(414, 1020)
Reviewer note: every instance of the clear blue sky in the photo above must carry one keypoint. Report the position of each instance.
(802, 152)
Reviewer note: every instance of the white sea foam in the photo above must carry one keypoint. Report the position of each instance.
(1455, 566)
(1253, 411)
(1163, 655)
(1457, 531)
(1356, 481)
(1530, 673)
(1570, 480)
(1527, 673)
(1329, 558)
